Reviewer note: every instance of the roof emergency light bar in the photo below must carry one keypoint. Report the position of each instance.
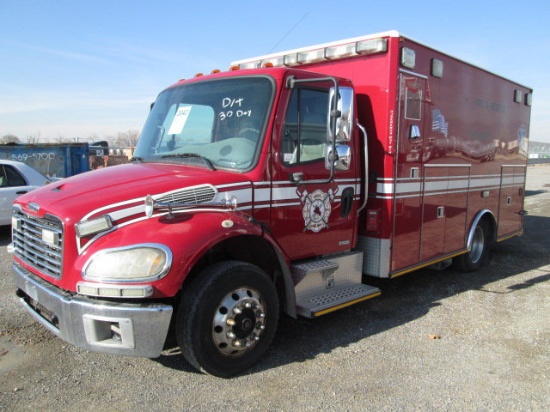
(344, 49)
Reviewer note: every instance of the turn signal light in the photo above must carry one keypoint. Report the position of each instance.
(113, 291)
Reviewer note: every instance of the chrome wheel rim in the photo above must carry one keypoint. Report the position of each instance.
(239, 322)
(478, 244)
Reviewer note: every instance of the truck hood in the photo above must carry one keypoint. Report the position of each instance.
(78, 196)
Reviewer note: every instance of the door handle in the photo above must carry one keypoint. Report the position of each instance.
(347, 201)
(22, 192)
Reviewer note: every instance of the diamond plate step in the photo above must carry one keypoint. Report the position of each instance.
(335, 298)
(323, 266)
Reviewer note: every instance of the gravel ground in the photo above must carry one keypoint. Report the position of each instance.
(432, 341)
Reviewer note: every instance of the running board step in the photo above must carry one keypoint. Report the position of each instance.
(335, 298)
(325, 285)
(323, 267)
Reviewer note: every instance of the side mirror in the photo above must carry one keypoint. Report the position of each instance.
(344, 113)
(341, 159)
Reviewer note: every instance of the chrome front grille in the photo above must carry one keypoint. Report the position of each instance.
(38, 242)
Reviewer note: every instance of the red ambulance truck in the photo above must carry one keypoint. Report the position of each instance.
(280, 185)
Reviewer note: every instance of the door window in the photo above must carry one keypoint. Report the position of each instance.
(9, 177)
(305, 130)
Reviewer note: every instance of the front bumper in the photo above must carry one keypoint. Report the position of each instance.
(130, 329)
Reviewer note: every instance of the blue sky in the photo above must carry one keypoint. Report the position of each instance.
(78, 69)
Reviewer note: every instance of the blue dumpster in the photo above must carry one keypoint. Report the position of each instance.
(52, 160)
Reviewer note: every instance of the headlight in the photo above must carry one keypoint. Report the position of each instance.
(136, 263)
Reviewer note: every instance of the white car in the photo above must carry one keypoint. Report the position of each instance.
(16, 178)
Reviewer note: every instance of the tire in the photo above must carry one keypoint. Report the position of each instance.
(478, 256)
(227, 318)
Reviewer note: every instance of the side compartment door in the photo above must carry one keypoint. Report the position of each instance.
(436, 184)
(444, 209)
(408, 180)
(456, 209)
(512, 182)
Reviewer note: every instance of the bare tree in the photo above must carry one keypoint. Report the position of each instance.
(127, 139)
(10, 138)
(33, 138)
(61, 140)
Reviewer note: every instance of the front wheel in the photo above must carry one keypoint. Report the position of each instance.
(478, 256)
(227, 318)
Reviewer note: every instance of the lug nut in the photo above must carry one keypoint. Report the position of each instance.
(230, 322)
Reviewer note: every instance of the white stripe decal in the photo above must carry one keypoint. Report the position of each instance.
(283, 193)
(242, 195)
(262, 195)
(124, 213)
(386, 188)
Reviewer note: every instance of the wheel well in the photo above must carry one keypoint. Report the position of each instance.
(488, 217)
(251, 249)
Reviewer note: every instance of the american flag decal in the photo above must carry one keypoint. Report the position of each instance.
(438, 122)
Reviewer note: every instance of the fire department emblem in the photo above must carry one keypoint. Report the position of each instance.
(317, 208)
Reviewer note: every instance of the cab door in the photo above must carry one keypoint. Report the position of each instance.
(311, 214)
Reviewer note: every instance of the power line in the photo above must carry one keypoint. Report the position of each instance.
(287, 33)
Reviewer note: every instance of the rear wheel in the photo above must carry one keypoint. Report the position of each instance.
(478, 256)
(227, 318)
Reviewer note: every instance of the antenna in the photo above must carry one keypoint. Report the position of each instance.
(287, 33)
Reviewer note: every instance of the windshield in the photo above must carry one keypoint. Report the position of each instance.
(216, 123)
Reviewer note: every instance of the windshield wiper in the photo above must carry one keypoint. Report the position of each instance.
(137, 159)
(205, 160)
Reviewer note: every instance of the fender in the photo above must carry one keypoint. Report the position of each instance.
(188, 235)
(242, 225)
(284, 263)
(211, 228)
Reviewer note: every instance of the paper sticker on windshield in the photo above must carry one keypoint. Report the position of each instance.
(179, 120)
